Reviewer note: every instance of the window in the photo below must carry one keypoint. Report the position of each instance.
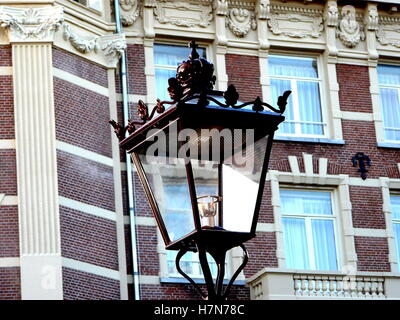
(309, 230)
(389, 93)
(395, 202)
(178, 217)
(95, 4)
(166, 60)
(303, 112)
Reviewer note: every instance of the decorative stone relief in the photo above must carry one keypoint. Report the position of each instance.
(372, 19)
(221, 7)
(130, 11)
(332, 15)
(110, 45)
(79, 43)
(350, 31)
(263, 9)
(240, 21)
(33, 24)
(388, 32)
(296, 22)
(184, 14)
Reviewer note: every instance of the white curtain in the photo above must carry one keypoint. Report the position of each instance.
(295, 241)
(390, 103)
(396, 227)
(307, 205)
(389, 76)
(308, 96)
(395, 204)
(324, 244)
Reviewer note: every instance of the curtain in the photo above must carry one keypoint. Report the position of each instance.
(306, 202)
(278, 87)
(324, 244)
(390, 104)
(308, 95)
(295, 242)
(395, 204)
(310, 107)
(396, 227)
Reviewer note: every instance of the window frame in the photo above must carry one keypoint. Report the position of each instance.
(335, 217)
(390, 63)
(322, 92)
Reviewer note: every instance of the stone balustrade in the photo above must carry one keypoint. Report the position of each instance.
(293, 284)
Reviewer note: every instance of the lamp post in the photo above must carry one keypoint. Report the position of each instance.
(212, 150)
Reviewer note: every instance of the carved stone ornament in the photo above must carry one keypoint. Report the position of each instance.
(388, 32)
(31, 24)
(79, 43)
(263, 9)
(332, 15)
(350, 31)
(184, 14)
(296, 22)
(240, 21)
(221, 7)
(113, 46)
(130, 11)
(372, 19)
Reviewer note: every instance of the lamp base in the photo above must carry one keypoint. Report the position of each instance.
(215, 289)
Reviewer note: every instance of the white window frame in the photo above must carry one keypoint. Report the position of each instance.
(296, 111)
(309, 218)
(392, 64)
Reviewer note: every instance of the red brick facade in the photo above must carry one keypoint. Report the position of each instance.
(81, 120)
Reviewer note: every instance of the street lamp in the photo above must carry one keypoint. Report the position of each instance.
(212, 151)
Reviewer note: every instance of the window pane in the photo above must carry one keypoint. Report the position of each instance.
(278, 87)
(395, 203)
(293, 66)
(162, 76)
(295, 242)
(396, 227)
(389, 75)
(310, 107)
(306, 202)
(389, 99)
(324, 244)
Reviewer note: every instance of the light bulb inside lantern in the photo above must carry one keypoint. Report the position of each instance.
(208, 208)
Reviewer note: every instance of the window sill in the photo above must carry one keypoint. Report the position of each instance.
(197, 280)
(310, 140)
(392, 145)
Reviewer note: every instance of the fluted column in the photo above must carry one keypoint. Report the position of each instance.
(30, 33)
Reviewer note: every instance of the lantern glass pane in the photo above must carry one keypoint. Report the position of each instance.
(240, 185)
(227, 184)
(168, 182)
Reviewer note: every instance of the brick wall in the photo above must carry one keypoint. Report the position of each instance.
(80, 67)
(88, 239)
(244, 73)
(82, 117)
(79, 285)
(372, 254)
(10, 284)
(85, 180)
(6, 107)
(354, 93)
(9, 231)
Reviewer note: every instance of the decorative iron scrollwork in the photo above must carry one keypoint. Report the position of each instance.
(363, 161)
